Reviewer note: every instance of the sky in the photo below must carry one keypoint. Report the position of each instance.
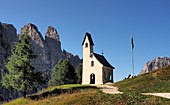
(110, 22)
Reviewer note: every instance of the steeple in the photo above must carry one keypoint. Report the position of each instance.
(87, 44)
(89, 38)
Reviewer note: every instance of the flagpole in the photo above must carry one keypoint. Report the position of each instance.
(133, 62)
(132, 42)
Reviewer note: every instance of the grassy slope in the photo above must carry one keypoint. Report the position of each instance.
(157, 81)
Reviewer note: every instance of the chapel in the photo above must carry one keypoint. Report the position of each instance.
(96, 69)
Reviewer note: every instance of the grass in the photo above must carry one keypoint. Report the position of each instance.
(156, 81)
(92, 96)
(153, 82)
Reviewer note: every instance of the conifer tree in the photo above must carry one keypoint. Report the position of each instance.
(21, 74)
(79, 73)
(63, 73)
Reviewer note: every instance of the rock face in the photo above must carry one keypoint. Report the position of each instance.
(48, 51)
(155, 64)
(8, 37)
(54, 45)
(42, 61)
(35, 35)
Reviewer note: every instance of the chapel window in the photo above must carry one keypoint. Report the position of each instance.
(86, 45)
(92, 63)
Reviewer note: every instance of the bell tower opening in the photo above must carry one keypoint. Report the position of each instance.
(86, 45)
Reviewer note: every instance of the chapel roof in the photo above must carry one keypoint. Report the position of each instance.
(89, 38)
(103, 60)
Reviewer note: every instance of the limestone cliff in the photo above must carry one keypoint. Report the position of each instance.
(155, 64)
(48, 51)
(42, 61)
(54, 45)
(8, 37)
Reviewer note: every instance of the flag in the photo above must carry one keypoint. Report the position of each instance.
(132, 42)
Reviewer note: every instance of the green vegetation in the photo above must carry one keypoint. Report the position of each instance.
(153, 82)
(21, 74)
(57, 95)
(79, 73)
(63, 73)
(156, 81)
(86, 95)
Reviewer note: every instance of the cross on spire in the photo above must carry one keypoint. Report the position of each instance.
(102, 52)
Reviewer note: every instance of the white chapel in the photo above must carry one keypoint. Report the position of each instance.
(96, 69)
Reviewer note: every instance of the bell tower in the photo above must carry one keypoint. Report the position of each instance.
(87, 50)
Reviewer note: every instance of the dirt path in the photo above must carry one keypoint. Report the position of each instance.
(107, 88)
(164, 95)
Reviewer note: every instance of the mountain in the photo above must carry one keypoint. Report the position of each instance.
(8, 37)
(155, 64)
(48, 51)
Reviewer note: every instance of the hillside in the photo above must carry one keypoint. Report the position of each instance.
(156, 81)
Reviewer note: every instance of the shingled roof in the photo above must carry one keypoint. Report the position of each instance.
(89, 38)
(103, 60)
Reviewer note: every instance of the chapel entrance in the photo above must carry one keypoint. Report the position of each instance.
(92, 79)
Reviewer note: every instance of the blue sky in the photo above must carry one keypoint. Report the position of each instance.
(110, 22)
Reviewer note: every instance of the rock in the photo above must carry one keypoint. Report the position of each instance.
(155, 64)
(74, 59)
(8, 37)
(52, 33)
(33, 32)
(48, 51)
(54, 45)
(38, 46)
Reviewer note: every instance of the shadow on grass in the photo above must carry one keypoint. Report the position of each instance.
(57, 92)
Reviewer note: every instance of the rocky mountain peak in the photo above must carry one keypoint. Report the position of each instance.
(52, 33)
(49, 51)
(33, 32)
(7, 36)
(155, 64)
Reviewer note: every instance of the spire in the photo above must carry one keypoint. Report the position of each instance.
(89, 38)
(102, 52)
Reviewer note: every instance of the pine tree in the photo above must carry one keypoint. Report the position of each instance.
(79, 73)
(63, 73)
(21, 74)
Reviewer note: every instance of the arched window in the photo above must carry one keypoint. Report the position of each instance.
(92, 63)
(86, 45)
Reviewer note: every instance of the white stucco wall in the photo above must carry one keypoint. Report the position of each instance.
(97, 69)
(86, 58)
(87, 68)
